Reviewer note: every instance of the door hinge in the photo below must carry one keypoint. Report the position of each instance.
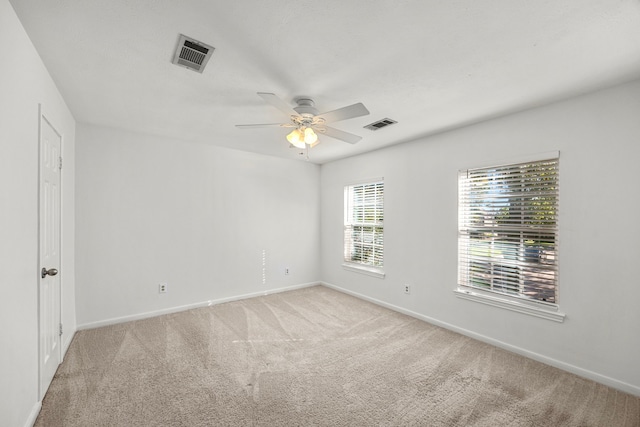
(60, 329)
(60, 162)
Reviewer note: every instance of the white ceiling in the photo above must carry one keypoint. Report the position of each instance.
(431, 65)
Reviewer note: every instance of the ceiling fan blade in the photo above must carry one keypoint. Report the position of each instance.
(339, 134)
(278, 103)
(344, 113)
(266, 125)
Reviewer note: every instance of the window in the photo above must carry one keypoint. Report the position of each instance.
(508, 231)
(363, 227)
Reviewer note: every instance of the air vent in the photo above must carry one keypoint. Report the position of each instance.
(380, 124)
(192, 54)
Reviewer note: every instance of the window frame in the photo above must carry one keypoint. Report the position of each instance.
(503, 299)
(378, 203)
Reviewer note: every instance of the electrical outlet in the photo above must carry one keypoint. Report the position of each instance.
(407, 289)
(162, 288)
(286, 271)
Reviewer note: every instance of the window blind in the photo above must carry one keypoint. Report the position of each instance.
(508, 229)
(363, 228)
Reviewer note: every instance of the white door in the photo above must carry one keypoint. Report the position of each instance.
(49, 292)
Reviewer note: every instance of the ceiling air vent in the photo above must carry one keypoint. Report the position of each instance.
(192, 54)
(380, 124)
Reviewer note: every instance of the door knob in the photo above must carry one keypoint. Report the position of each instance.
(50, 272)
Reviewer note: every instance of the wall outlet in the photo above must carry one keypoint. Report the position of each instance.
(407, 289)
(162, 288)
(286, 271)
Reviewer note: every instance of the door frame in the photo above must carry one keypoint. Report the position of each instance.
(43, 116)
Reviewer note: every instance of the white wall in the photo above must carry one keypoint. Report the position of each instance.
(599, 235)
(25, 83)
(195, 216)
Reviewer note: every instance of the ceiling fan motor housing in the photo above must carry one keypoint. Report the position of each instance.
(306, 106)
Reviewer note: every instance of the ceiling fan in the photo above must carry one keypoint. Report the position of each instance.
(307, 122)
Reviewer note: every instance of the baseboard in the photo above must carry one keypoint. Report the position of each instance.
(145, 315)
(602, 379)
(33, 415)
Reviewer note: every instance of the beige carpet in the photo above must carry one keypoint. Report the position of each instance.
(312, 357)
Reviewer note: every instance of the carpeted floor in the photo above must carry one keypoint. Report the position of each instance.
(312, 357)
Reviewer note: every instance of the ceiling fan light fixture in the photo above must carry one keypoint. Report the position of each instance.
(310, 136)
(295, 138)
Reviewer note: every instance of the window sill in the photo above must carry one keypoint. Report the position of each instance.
(532, 309)
(363, 269)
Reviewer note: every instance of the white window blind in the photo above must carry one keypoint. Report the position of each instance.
(508, 229)
(363, 226)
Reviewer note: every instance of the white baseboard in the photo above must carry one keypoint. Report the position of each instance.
(602, 379)
(169, 310)
(33, 415)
